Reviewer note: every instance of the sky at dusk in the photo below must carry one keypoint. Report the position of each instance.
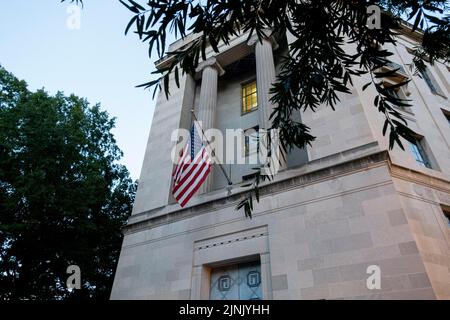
(97, 62)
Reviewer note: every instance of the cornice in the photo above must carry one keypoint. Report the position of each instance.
(413, 176)
(152, 218)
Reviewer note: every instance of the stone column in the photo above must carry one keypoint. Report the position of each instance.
(210, 70)
(265, 77)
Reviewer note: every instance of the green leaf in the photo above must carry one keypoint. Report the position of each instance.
(385, 126)
(177, 79)
(417, 20)
(131, 8)
(133, 20)
(366, 85)
(137, 5)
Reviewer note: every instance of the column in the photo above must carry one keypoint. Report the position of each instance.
(265, 77)
(210, 70)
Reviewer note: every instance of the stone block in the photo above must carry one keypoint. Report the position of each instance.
(279, 282)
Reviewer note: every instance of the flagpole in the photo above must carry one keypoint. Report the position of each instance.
(214, 153)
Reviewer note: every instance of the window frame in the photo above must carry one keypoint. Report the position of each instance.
(425, 160)
(401, 93)
(246, 144)
(431, 81)
(243, 85)
(446, 115)
(446, 215)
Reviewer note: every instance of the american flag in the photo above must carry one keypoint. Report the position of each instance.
(192, 168)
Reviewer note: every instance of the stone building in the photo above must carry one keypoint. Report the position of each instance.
(336, 209)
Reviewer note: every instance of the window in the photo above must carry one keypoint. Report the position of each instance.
(399, 93)
(236, 282)
(446, 213)
(251, 144)
(431, 82)
(249, 97)
(395, 66)
(447, 116)
(418, 153)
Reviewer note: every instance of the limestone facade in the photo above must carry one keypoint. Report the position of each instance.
(336, 208)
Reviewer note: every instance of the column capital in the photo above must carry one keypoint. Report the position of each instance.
(210, 62)
(254, 39)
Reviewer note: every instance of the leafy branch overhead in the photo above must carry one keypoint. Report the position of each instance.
(317, 69)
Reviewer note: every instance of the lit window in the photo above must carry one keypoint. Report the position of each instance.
(251, 141)
(249, 97)
(419, 154)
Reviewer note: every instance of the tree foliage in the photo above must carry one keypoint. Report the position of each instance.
(317, 68)
(63, 197)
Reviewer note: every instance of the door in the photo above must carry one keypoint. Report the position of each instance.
(236, 282)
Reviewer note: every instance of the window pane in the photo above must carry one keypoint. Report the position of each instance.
(447, 217)
(431, 82)
(253, 105)
(416, 154)
(447, 116)
(426, 77)
(251, 144)
(249, 97)
(246, 146)
(419, 154)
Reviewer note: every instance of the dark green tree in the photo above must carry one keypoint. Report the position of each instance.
(317, 68)
(63, 196)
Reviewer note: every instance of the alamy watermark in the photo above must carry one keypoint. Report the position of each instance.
(74, 280)
(374, 19)
(374, 280)
(73, 21)
(238, 146)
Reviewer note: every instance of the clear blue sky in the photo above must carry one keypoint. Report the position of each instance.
(97, 62)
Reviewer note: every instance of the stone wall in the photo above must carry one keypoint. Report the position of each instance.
(322, 231)
(319, 225)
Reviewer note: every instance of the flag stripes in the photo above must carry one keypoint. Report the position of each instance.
(192, 169)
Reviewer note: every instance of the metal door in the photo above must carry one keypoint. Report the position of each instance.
(236, 282)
